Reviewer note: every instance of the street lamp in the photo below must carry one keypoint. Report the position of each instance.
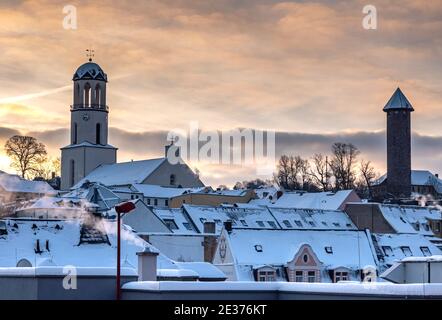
(124, 207)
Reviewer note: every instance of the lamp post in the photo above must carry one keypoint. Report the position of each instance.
(124, 207)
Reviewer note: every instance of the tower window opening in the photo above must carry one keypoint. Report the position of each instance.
(172, 180)
(98, 134)
(74, 140)
(98, 95)
(72, 177)
(87, 95)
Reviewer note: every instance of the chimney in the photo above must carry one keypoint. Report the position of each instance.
(228, 226)
(147, 265)
(209, 241)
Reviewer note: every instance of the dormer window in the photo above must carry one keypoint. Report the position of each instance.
(258, 248)
(406, 251)
(329, 250)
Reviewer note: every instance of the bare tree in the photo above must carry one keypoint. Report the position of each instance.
(343, 165)
(26, 154)
(320, 172)
(368, 175)
(293, 173)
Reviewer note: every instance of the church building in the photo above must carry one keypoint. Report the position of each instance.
(88, 146)
(89, 157)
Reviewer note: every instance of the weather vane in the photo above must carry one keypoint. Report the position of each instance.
(90, 54)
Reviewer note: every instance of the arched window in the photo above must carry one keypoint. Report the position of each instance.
(74, 138)
(87, 95)
(98, 134)
(72, 177)
(98, 95)
(77, 96)
(172, 180)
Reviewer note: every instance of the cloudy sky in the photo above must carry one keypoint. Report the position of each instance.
(308, 70)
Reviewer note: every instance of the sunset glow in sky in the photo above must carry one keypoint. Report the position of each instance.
(307, 69)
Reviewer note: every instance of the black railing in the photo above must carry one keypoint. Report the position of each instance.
(101, 107)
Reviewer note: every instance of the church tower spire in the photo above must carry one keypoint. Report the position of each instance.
(88, 146)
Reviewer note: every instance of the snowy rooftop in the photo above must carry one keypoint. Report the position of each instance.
(291, 218)
(280, 246)
(420, 178)
(395, 247)
(64, 247)
(123, 173)
(90, 70)
(183, 224)
(410, 219)
(259, 218)
(155, 191)
(315, 200)
(14, 183)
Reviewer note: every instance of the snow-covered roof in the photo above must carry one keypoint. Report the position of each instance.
(14, 183)
(315, 200)
(90, 70)
(65, 248)
(419, 178)
(259, 218)
(395, 247)
(292, 218)
(183, 224)
(155, 191)
(281, 246)
(95, 193)
(123, 173)
(398, 101)
(410, 219)
(54, 203)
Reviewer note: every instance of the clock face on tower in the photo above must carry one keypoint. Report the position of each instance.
(85, 117)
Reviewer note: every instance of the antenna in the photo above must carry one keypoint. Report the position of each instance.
(90, 54)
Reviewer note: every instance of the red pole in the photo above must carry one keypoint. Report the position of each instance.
(118, 256)
(121, 208)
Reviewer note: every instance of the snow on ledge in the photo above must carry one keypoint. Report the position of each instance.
(437, 258)
(61, 271)
(377, 288)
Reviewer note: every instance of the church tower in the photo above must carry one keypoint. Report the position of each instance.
(398, 110)
(88, 146)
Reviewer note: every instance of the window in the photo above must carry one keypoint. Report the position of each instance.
(170, 223)
(299, 223)
(244, 223)
(97, 95)
(72, 178)
(426, 227)
(258, 248)
(329, 250)
(260, 223)
(148, 202)
(272, 224)
(74, 140)
(166, 202)
(324, 223)
(387, 251)
(336, 224)
(287, 223)
(311, 276)
(172, 180)
(267, 275)
(426, 251)
(305, 258)
(98, 134)
(87, 92)
(348, 225)
(155, 202)
(299, 276)
(341, 276)
(312, 223)
(187, 226)
(407, 251)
